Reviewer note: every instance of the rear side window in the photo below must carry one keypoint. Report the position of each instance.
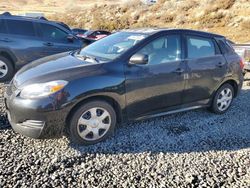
(19, 27)
(199, 47)
(2, 27)
(50, 32)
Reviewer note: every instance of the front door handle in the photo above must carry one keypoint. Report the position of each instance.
(48, 44)
(220, 64)
(179, 71)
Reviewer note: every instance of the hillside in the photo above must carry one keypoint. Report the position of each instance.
(227, 17)
(48, 6)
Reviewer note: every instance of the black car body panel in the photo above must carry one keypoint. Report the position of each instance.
(135, 91)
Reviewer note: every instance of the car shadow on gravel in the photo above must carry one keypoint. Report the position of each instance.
(193, 131)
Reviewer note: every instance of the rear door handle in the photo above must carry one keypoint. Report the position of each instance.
(220, 64)
(48, 44)
(179, 71)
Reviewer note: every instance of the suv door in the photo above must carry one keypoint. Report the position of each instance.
(206, 68)
(22, 40)
(55, 40)
(154, 87)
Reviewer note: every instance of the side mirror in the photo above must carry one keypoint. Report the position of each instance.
(70, 37)
(139, 59)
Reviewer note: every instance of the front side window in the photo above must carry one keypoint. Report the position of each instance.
(162, 50)
(50, 32)
(113, 46)
(18, 27)
(199, 47)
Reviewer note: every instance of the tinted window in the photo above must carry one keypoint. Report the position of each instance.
(162, 50)
(2, 27)
(18, 27)
(53, 33)
(200, 47)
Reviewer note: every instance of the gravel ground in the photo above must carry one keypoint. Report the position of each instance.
(190, 149)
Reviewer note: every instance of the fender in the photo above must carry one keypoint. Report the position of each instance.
(226, 79)
(11, 54)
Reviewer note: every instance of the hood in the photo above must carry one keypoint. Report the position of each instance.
(55, 67)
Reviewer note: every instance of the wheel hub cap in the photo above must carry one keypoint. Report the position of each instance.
(3, 69)
(94, 124)
(224, 100)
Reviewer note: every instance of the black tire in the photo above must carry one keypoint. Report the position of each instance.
(74, 135)
(10, 68)
(214, 107)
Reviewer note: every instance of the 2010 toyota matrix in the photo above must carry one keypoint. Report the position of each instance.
(129, 75)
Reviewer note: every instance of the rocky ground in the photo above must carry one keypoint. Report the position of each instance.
(191, 149)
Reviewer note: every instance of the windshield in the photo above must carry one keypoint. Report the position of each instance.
(112, 46)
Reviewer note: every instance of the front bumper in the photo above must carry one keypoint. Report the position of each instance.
(39, 118)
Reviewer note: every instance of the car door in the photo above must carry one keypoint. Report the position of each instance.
(206, 68)
(24, 41)
(55, 40)
(158, 85)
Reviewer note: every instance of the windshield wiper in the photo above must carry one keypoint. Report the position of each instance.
(84, 57)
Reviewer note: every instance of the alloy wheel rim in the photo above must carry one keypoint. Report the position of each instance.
(224, 100)
(94, 123)
(3, 69)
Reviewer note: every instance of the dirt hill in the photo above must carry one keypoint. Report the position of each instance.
(227, 17)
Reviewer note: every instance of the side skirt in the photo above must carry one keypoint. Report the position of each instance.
(171, 112)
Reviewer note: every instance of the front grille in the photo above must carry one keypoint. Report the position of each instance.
(32, 124)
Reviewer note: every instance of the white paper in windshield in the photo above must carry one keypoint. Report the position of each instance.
(136, 37)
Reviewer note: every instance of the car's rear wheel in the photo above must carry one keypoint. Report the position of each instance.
(6, 69)
(223, 99)
(92, 122)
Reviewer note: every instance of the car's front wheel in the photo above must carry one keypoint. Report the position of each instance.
(223, 99)
(92, 122)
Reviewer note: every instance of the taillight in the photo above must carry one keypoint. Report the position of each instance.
(91, 37)
(241, 63)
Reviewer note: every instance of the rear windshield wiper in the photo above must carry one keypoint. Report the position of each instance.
(85, 57)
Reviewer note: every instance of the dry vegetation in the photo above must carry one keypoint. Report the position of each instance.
(227, 17)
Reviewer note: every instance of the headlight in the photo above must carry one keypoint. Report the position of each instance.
(42, 90)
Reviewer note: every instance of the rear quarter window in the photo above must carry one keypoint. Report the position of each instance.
(20, 27)
(225, 46)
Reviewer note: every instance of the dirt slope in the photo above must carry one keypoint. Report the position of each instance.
(227, 17)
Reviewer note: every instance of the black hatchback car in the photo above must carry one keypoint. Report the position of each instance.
(130, 75)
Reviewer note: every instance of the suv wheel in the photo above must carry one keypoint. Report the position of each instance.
(92, 122)
(223, 99)
(6, 69)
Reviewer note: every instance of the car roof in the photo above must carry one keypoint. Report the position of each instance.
(34, 19)
(151, 31)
